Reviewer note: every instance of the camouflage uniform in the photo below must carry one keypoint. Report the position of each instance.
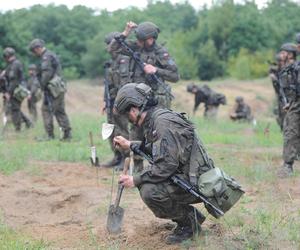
(115, 80)
(155, 55)
(242, 111)
(291, 130)
(33, 86)
(170, 139)
(52, 105)
(211, 99)
(274, 75)
(14, 76)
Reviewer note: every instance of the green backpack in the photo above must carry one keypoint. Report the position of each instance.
(213, 183)
(57, 85)
(220, 189)
(20, 93)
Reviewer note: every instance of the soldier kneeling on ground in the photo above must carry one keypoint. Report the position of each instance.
(211, 99)
(242, 111)
(170, 139)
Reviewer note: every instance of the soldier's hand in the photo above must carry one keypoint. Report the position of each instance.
(129, 26)
(126, 181)
(150, 69)
(121, 142)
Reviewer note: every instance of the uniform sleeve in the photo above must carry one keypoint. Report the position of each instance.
(15, 77)
(165, 157)
(47, 70)
(167, 68)
(115, 48)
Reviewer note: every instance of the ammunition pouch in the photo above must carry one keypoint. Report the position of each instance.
(220, 189)
(20, 93)
(57, 86)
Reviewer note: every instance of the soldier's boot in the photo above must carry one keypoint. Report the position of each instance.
(187, 229)
(286, 170)
(116, 161)
(67, 136)
(138, 165)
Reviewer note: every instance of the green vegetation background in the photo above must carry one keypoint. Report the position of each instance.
(228, 39)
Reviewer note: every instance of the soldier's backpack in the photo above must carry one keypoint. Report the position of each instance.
(57, 85)
(219, 188)
(20, 93)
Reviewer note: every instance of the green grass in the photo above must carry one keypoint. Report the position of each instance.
(12, 240)
(18, 151)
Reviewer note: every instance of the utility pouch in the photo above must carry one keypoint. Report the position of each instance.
(20, 93)
(57, 86)
(220, 189)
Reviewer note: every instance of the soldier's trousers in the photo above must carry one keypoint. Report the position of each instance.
(17, 115)
(168, 201)
(121, 128)
(211, 111)
(31, 104)
(55, 107)
(291, 133)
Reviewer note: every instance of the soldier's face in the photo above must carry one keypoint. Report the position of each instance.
(37, 51)
(133, 115)
(283, 54)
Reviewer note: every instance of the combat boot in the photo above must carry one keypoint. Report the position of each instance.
(180, 234)
(49, 137)
(116, 161)
(67, 135)
(286, 170)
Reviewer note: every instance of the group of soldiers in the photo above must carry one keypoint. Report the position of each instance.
(212, 100)
(285, 76)
(44, 80)
(136, 93)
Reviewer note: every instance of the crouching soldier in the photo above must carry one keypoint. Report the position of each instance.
(170, 139)
(242, 111)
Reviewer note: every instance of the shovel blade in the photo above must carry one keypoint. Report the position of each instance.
(107, 130)
(114, 219)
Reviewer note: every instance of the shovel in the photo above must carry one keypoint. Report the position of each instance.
(116, 213)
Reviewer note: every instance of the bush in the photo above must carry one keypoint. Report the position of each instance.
(71, 73)
(248, 65)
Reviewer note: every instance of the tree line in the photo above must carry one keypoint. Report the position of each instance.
(227, 39)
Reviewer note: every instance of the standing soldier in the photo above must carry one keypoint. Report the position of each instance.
(156, 61)
(242, 111)
(34, 87)
(274, 75)
(54, 89)
(15, 92)
(290, 80)
(113, 81)
(298, 42)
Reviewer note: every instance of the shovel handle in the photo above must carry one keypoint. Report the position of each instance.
(126, 165)
(91, 139)
(120, 186)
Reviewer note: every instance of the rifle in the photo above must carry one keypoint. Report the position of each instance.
(107, 98)
(180, 182)
(153, 79)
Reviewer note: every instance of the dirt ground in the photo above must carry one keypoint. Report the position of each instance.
(66, 204)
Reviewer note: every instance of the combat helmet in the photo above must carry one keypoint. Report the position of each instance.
(32, 67)
(132, 94)
(298, 38)
(239, 99)
(8, 52)
(108, 38)
(289, 47)
(36, 43)
(146, 30)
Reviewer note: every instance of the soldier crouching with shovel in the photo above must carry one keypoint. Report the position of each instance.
(169, 140)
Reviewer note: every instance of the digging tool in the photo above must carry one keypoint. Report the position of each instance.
(116, 213)
(94, 159)
(107, 130)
